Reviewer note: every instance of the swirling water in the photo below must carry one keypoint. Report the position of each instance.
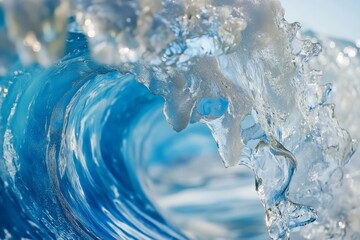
(88, 146)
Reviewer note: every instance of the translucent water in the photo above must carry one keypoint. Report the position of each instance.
(116, 117)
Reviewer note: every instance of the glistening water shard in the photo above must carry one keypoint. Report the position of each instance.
(116, 116)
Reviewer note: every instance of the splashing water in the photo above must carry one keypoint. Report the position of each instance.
(86, 150)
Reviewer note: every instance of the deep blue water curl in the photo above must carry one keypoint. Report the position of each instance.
(96, 177)
(88, 154)
(65, 127)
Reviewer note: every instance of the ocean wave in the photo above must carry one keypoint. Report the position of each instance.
(88, 142)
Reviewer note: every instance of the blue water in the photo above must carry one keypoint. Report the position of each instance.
(78, 142)
(99, 106)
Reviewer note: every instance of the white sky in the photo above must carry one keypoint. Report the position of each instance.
(338, 18)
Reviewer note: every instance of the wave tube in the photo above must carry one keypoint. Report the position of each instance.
(116, 117)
